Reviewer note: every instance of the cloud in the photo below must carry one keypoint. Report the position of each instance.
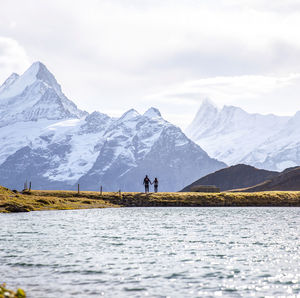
(13, 57)
(134, 36)
(278, 94)
(112, 55)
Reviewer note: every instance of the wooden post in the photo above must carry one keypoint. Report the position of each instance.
(30, 186)
(120, 194)
(101, 190)
(78, 188)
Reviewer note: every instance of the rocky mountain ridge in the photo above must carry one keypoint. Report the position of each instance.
(46, 139)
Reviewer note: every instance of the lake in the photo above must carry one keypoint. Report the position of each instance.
(159, 252)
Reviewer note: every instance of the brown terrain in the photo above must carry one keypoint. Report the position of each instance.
(234, 177)
(288, 180)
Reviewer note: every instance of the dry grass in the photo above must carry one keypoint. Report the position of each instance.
(35, 200)
(53, 200)
(274, 198)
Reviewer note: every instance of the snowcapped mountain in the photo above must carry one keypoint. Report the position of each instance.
(281, 150)
(34, 95)
(234, 136)
(47, 140)
(136, 145)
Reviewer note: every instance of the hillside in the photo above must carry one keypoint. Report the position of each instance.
(239, 176)
(288, 180)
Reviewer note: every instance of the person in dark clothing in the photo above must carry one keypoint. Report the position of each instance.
(146, 183)
(155, 182)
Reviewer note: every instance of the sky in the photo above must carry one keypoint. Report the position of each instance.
(114, 55)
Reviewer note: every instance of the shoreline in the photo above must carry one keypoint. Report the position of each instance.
(38, 200)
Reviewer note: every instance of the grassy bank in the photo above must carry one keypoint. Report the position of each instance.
(35, 201)
(6, 293)
(51, 200)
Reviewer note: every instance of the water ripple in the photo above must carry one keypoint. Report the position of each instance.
(156, 252)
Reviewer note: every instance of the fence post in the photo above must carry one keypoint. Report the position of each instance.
(101, 190)
(30, 186)
(78, 188)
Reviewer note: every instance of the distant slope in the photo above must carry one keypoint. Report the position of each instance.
(289, 180)
(238, 176)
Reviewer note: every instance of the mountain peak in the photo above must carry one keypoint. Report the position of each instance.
(35, 66)
(35, 95)
(203, 120)
(207, 107)
(152, 113)
(132, 113)
(40, 72)
(206, 102)
(36, 72)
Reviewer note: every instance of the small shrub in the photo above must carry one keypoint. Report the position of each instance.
(11, 207)
(26, 192)
(20, 293)
(86, 202)
(6, 293)
(205, 188)
(43, 201)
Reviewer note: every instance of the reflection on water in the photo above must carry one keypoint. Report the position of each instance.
(158, 252)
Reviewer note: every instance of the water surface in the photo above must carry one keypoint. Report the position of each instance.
(159, 252)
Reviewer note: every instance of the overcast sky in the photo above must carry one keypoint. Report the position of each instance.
(118, 54)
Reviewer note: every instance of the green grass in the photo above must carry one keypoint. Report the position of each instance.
(6, 293)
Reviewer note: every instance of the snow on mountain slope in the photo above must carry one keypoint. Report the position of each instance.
(20, 134)
(82, 149)
(147, 144)
(281, 150)
(116, 153)
(234, 136)
(45, 134)
(47, 140)
(58, 153)
(10, 80)
(34, 95)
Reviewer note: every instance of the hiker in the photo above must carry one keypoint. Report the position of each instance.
(146, 183)
(155, 182)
